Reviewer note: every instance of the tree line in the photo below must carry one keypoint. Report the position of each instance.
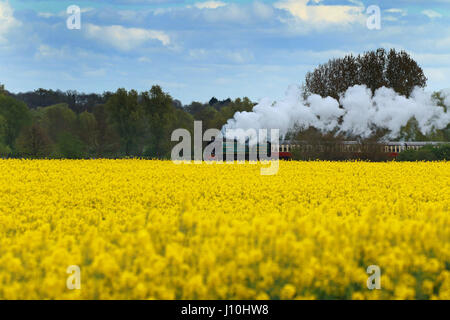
(126, 123)
(56, 124)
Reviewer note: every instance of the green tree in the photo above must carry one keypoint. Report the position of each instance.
(126, 114)
(34, 142)
(158, 106)
(442, 152)
(108, 140)
(16, 115)
(87, 128)
(70, 146)
(184, 120)
(4, 149)
(227, 112)
(3, 129)
(57, 120)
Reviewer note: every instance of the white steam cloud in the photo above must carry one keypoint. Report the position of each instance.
(357, 113)
(446, 95)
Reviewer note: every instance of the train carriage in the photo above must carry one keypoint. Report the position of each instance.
(235, 150)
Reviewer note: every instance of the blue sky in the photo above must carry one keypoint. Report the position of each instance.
(199, 49)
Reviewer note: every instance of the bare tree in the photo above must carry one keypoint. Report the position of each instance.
(375, 69)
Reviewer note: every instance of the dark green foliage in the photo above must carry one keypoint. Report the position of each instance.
(3, 129)
(161, 121)
(70, 147)
(76, 101)
(426, 153)
(57, 119)
(126, 114)
(14, 115)
(443, 152)
(34, 142)
(4, 150)
(107, 142)
(87, 130)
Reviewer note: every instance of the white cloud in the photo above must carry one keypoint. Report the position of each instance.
(95, 72)
(443, 42)
(390, 18)
(61, 13)
(45, 51)
(432, 14)
(240, 56)
(318, 14)
(122, 38)
(446, 94)
(396, 13)
(144, 60)
(209, 4)
(402, 12)
(165, 84)
(229, 13)
(262, 10)
(46, 14)
(7, 21)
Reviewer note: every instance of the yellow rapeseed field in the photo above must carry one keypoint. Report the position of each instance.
(155, 230)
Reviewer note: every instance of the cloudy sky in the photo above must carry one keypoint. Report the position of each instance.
(199, 49)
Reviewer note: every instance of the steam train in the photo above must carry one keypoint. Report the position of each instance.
(234, 150)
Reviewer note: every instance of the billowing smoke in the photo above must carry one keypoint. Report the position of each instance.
(357, 113)
(446, 95)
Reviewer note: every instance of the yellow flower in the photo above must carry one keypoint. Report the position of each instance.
(288, 292)
(141, 229)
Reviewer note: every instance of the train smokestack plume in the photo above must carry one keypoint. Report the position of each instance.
(357, 113)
